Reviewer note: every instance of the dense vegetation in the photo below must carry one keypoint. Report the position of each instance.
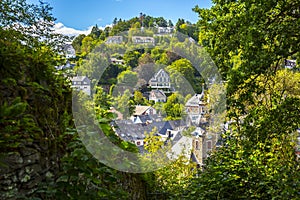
(248, 41)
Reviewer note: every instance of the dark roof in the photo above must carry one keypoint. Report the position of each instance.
(130, 131)
(144, 118)
(194, 158)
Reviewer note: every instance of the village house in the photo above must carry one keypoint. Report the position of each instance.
(114, 40)
(289, 64)
(117, 61)
(143, 114)
(143, 40)
(160, 80)
(82, 83)
(144, 110)
(69, 51)
(68, 65)
(135, 132)
(165, 30)
(195, 109)
(157, 96)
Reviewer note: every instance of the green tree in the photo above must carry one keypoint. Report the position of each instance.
(95, 32)
(87, 44)
(145, 59)
(174, 108)
(184, 67)
(131, 58)
(139, 99)
(124, 104)
(249, 42)
(77, 42)
(127, 78)
(152, 142)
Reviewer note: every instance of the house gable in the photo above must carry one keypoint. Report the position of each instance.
(160, 80)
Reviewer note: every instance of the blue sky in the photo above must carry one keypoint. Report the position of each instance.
(80, 15)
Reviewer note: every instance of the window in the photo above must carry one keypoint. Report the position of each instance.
(197, 145)
(209, 145)
(138, 143)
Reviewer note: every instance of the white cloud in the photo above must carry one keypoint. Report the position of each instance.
(62, 29)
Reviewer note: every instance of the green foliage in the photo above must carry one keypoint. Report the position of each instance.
(139, 99)
(28, 23)
(248, 42)
(174, 107)
(84, 177)
(131, 58)
(127, 78)
(152, 142)
(77, 43)
(13, 121)
(181, 67)
(173, 179)
(124, 104)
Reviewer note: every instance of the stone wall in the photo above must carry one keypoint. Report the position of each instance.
(23, 169)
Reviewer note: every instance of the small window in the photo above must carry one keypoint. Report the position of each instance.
(209, 145)
(138, 143)
(197, 145)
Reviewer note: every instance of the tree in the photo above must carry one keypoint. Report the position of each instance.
(174, 179)
(87, 44)
(160, 21)
(184, 67)
(29, 23)
(145, 59)
(77, 42)
(182, 74)
(249, 42)
(127, 78)
(170, 23)
(153, 142)
(139, 99)
(115, 21)
(174, 107)
(131, 58)
(124, 104)
(95, 32)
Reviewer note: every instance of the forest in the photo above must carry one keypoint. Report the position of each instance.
(43, 156)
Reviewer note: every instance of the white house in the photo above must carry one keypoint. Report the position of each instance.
(165, 30)
(82, 83)
(290, 64)
(157, 96)
(143, 40)
(69, 51)
(114, 40)
(160, 80)
(195, 108)
(117, 61)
